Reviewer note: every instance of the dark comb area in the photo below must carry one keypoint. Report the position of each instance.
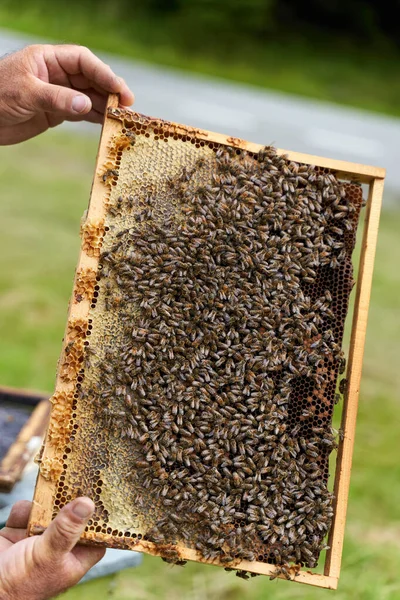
(208, 370)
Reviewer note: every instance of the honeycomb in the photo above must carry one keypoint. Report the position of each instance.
(206, 374)
(85, 284)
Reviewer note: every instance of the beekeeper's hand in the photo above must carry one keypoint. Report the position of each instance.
(44, 85)
(40, 567)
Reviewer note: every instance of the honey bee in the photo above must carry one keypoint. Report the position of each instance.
(223, 330)
(342, 366)
(343, 386)
(109, 174)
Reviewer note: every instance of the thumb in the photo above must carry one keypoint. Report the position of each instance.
(64, 532)
(56, 98)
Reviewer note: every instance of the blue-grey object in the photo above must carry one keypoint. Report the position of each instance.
(113, 561)
(12, 419)
(22, 490)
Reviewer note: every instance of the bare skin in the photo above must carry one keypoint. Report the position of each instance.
(44, 85)
(40, 567)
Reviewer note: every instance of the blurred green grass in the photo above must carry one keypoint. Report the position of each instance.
(45, 185)
(315, 64)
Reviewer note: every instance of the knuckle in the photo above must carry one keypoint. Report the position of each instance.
(85, 53)
(41, 559)
(65, 528)
(57, 99)
(51, 98)
(33, 50)
(97, 73)
(17, 509)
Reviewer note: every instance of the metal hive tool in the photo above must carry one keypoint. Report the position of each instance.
(199, 372)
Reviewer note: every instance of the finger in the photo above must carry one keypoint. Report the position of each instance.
(105, 93)
(15, 134)
(59, 99)
(64, 532)
(19, 514)
(99, 101)
(126, 96)
(4, 544)
(88, 557)
(80, 82)
(92, 117)
(56, 74)
(78, 59)
(13, 535)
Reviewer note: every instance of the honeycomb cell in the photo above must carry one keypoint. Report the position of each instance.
(85, 284)
(92, 236)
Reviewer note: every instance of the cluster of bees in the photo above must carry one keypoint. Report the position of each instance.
(231, 303)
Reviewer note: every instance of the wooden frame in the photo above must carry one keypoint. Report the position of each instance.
(374, 177)
(28, 439)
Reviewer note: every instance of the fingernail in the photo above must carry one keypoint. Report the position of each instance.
(82, 509)
(79, 104)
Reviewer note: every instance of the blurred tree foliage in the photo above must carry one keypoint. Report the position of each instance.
(240, 21)
(363, 19)
(235, 20)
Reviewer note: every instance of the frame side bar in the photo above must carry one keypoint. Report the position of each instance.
(356, 352)
(45, 489)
